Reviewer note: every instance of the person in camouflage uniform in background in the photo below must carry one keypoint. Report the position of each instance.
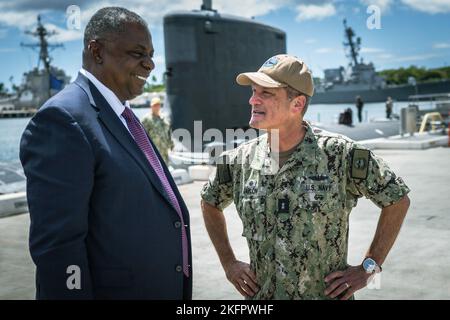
(158, 129)
(295, 202)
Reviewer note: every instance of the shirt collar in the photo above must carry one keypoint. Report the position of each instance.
(107, 93)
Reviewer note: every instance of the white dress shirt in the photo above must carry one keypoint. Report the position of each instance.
(109, 96)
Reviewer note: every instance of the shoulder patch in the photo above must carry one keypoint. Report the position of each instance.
(360, 163)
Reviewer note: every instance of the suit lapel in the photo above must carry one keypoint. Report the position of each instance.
(117, 129)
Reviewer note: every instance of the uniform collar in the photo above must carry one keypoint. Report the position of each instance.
(306, 153)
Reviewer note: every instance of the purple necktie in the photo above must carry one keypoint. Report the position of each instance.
(143, 142)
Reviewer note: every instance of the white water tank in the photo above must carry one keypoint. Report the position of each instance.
(408, 119)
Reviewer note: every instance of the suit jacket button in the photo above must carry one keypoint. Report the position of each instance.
(178, 268)
(177, 224)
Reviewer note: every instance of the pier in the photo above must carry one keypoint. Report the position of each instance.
(413, 269)
(23, 113)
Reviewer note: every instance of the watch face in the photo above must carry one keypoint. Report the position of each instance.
(369, 265)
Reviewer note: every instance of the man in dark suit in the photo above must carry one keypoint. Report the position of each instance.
(107, 220)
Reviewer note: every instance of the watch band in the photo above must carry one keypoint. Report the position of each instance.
(376, 267)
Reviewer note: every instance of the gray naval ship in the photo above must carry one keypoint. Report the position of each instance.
(39, 84)
(342, 85)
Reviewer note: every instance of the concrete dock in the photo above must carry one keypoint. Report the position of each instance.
(416, 268)
(21, 113)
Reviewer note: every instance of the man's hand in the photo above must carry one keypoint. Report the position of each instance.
(244, 279)
(237, 272)
(348, 281)
(356, 278)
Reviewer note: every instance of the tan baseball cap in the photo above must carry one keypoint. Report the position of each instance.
(155, 100)
(281, 71)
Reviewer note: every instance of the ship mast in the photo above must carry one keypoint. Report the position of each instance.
(42, 33)
(354, 46)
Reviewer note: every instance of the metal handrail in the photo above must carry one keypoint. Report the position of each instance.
(434, 118)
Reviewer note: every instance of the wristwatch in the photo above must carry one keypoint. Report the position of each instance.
(370, 266)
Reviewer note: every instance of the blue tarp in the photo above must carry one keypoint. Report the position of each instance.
(55, 83)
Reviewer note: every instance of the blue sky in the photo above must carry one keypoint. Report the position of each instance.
(413, 32)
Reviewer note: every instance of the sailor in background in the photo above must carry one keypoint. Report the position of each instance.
(389, 107)
(158, 129)
(359, 106)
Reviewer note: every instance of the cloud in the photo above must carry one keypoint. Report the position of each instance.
(64, 35)
(315, 12)
(22, 14)
(384, 56)
(29, 5)
(441, 45)
(326, 50)
(384, 5)
(153, 11)
(371, 50)
(429, 6)
(418, 57)
(248, 8)
(19, 19)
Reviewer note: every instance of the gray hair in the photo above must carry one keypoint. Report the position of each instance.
(110, 21)
(294, 93)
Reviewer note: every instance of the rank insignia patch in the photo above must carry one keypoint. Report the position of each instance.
(360, 163)
(283, 206)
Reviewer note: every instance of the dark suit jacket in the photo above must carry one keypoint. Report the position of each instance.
(96, 203)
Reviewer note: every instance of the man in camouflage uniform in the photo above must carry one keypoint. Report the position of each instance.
(158, 130)
(294, 200)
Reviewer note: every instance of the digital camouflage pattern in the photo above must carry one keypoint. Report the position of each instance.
(296, 218)
(160, 133)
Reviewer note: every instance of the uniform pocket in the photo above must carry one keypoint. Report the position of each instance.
(253, 218)
(323, 197)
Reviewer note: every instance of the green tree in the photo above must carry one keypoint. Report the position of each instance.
(421, 74)
(154, 86)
